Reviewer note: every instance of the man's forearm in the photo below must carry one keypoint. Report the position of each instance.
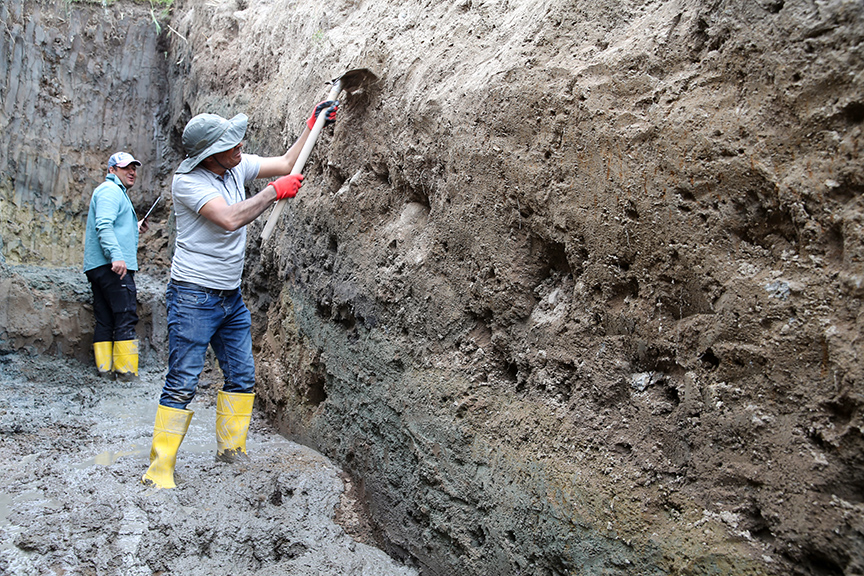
(242, 213)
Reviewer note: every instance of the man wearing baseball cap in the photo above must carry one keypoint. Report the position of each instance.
(205, 307)
(110, 262)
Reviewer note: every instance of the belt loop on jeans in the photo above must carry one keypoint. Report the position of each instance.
(194, 286)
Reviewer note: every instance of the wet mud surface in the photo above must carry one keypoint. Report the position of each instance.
(73, 448)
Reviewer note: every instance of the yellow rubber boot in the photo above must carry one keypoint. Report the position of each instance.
(168, 433)
(126, 359)
(233, 414)
(102, 352)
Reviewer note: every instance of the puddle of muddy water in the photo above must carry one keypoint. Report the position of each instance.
(128, 418)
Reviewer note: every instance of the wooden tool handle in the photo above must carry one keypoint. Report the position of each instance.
(301, 160)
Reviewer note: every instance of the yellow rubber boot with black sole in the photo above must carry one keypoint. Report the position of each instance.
(168, 433)
(103, 352)
(126, 359)
(233, 414)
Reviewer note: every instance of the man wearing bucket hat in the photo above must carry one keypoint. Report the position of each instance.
(110, 262)
(205, 306)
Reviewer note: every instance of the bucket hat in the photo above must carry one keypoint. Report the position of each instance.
(208, 134)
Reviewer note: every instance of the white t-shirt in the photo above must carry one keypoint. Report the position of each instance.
(205, 253)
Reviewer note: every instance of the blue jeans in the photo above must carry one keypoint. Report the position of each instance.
(196, 319)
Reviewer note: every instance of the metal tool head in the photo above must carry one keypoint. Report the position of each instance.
(357, 79)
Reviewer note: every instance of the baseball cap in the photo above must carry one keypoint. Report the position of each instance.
(122, 159)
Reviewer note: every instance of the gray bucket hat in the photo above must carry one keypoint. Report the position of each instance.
(208, 134)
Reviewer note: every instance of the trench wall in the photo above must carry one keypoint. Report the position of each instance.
(78, 82)
(574, 289)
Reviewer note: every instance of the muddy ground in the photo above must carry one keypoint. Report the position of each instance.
(73, 448)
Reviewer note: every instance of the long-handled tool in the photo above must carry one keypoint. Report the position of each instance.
(151, 208)
(350, 81)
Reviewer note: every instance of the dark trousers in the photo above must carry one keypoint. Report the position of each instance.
(114, 304)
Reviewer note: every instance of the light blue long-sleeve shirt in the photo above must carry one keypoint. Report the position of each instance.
(112, 227)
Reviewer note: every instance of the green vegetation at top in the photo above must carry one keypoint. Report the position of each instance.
(162, 6)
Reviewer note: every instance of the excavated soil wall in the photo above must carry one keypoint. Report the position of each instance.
(574, 288)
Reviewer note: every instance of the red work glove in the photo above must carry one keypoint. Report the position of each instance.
(287, 186)
(331, 117)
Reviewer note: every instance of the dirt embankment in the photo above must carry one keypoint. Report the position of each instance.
(573, 289)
